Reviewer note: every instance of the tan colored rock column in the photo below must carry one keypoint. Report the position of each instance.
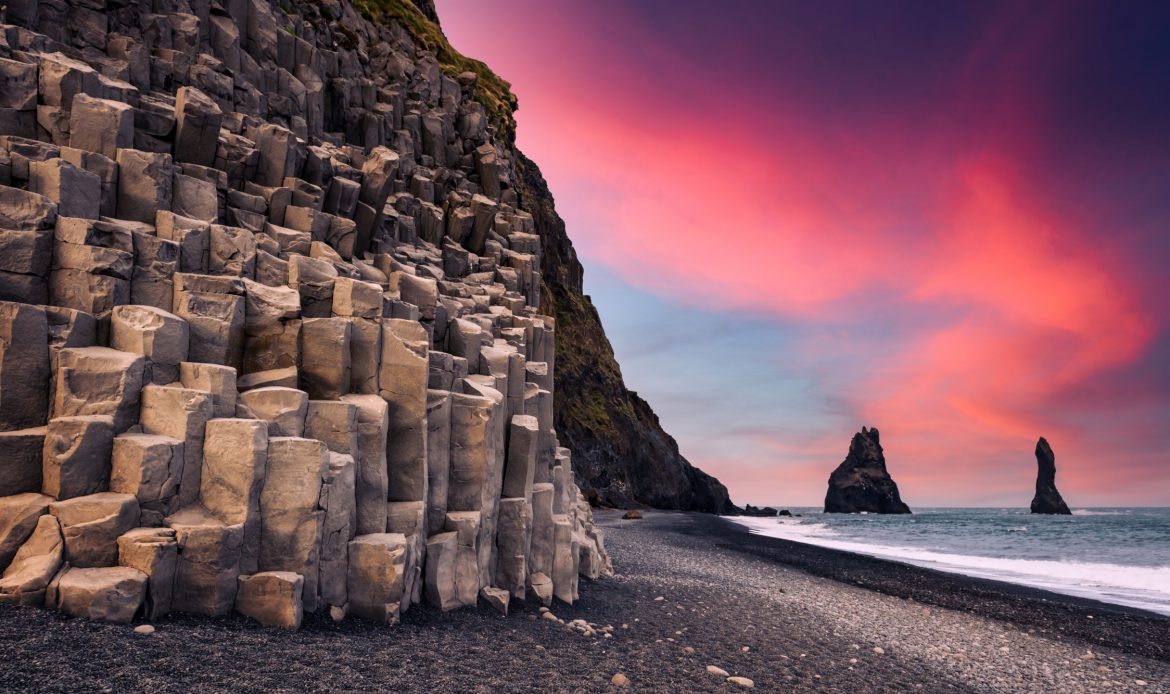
(291, 513)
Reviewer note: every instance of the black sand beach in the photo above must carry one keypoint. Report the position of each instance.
(789, 617)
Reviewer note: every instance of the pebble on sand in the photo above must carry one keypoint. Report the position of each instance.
(144, 629)
(742, 681)
(620, 680)
(879, 650)
(717, 671)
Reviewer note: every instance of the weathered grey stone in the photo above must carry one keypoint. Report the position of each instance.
(209, 562)
(24, 366)
(77, 453)
(273, 378)
(466, 525)
(290, 507)
(156, 260)
(235, 455)
(370, 458)
(18, 85)
(24, 210)
(365, 354)
(194, 198)
(154, 552)
(77, 192)
(197, 122)
(513, 541)
(470, 416)
(216, 323)
(30, 252)
(325, 366)
(377, 568)
(19, 514)
(21, 453)
(279, 154)
(111, 594)
(192, 235)
(91, 525)
(34, 565)
(521, 463)
(182, 414)
(159, 335)
(61, 78)
(272, 598)
(232, 252)
(313, 279)
(540, 560)
(144, 184)
(100, 125)
(403, 380)
(423, 292)
(102, 166)
(150, 467)
(283, 408)
(99, 380)
(214, 379)
(334, 423)
(438, 457)
(565, 560)
(339, 502)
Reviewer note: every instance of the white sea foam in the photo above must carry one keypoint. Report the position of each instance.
(1145, 587)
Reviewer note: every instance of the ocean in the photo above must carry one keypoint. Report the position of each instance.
(1115, 555)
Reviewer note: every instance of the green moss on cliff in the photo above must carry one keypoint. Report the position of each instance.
(493, 91)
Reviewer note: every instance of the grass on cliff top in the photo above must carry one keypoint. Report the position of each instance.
(493, 91)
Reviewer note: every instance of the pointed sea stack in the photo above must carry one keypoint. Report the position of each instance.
(1047, 499)
(861, 483)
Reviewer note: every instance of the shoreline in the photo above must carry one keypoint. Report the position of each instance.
(1131, 629)
(691, 591)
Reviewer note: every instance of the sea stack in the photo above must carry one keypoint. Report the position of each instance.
(861, 483)
(1047, 499)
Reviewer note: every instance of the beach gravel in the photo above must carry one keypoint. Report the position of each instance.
(755, 608)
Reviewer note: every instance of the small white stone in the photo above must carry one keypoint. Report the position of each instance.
(742, 681)
(717, 671)
(879, 650)
(144, 629)
(620, 680)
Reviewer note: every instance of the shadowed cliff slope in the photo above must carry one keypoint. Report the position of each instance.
(620, 452)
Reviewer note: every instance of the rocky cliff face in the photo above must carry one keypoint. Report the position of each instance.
(1047, 499)
(861, 482)
(622, 454)
(274, 334)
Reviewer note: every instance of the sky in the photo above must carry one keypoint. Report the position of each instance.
(950, 221)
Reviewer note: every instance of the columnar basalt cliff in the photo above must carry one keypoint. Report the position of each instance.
(861, 482)
(274, 331)
(1047, 499)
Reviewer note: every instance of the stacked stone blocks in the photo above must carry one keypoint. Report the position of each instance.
(270, 330)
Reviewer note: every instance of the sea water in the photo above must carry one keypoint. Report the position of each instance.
(1115, 555)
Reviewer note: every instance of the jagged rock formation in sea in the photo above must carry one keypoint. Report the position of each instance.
(1047, 499)
(861, 482)
(274, 331)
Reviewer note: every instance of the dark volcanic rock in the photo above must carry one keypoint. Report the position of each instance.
(861, 482)
(1047, 499)
(621, 454)
(765, 512)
